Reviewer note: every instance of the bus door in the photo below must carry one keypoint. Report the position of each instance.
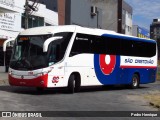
(2, 69)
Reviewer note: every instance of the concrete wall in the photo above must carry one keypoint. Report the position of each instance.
(109, 13)
(135, 30)
(79, 12)
(61, 11)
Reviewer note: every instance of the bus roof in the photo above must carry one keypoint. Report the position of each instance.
(74, 28)
(48, 30)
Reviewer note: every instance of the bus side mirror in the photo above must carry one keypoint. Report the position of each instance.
(48, 41)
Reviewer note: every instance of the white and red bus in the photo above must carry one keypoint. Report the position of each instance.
(73, 56)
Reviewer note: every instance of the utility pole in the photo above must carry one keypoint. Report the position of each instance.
(119, 17)
(26, 14)
(28, 9)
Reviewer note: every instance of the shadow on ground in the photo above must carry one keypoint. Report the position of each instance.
(34, 91)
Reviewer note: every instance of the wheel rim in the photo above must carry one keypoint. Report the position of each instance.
(135, 81)
(74, 84)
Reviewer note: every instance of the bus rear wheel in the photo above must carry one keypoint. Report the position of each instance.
(135, 81)
(74, 83)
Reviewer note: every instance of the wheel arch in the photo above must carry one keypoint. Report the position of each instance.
(74, 82)
(77, 75)
(137, 73)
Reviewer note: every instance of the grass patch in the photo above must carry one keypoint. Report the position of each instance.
(158, 75)
(153, 98)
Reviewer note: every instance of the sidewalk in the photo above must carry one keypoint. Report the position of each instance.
(3, 78)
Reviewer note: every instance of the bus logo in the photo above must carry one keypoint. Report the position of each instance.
(107, 63)
(106, 68)
(22, 77)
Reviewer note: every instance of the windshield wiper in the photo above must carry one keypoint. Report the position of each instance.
(23, 63)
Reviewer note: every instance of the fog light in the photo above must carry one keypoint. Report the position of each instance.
(42, 82)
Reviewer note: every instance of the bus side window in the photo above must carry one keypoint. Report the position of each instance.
(112, 45)
(80, 45)
(97, 45)
(127, 47)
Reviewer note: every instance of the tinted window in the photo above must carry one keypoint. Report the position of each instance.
(126, 47)
(58, 48)
(98, 45)
(81, 44)
(114, 46)
(144, 49)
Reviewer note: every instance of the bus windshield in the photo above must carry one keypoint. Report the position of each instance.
(28, 51)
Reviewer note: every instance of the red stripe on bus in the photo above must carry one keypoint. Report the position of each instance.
(35, 82)
(149, 67)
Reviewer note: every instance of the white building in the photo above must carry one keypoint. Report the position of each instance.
(12, 22)
(10, 15)
(127, 18)
(50, 17)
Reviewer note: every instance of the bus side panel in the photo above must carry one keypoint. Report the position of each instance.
(108, 73)
(146, 75)
(84, 65)
(123, 76)
(145, 67)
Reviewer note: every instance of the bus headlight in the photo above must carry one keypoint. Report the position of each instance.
(10, 73)
(44, 72)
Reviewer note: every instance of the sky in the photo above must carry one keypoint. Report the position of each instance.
(144, 11)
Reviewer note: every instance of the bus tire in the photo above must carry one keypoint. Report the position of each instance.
(39, 89)
(135, 81)
(74, 83)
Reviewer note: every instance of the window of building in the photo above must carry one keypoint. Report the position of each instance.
(123, 12)
(33, 21)
(128, 28)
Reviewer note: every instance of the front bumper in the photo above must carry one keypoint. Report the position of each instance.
(40, 81)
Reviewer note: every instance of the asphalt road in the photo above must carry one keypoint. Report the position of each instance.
(117, 98)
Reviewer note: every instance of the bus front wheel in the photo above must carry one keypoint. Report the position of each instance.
(74, 83)
(135, 81)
